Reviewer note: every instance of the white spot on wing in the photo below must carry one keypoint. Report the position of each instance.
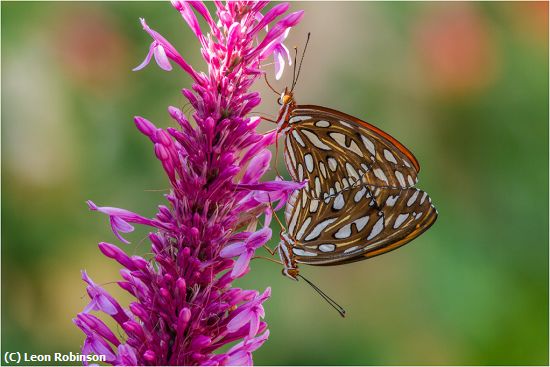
(300, 252)
(354, 148)
(423, 198)
(291, 152)
(332, 164)
(327, 247)
(380, 174)
(343, 232)
(317, 186)
(378, 227)
(400, 178)
(369, 145)
(400, 219)
(294, 119)
(351, 171)
(338, 202)
(339, 138)
(298, 138)
(352, 249)
(323, 169)
(410, 180)
(300, 233)
(345, 183)
(413, 198)
(361, 222)
(313, 205)
(309, 162)
(290, 205)
(315, 140)
(322, 123)
(391, 200)
(345, 124)
(389, 157)
(359, 194)
(316, 231)
(300, 172)
(292, 225)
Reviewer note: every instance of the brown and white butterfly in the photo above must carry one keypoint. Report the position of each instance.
(359, 201)
(335, 151)
(354, 225)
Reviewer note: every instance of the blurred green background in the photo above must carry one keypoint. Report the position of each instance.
(463, 85)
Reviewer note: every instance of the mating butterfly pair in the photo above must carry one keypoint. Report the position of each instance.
(360, 200)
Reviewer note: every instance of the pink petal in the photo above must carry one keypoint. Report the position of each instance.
(241, 264)
(257, 166)
(161, 58)
(273, 13)
(258, 239)
(240, 320)
(274, 186)
(147, 58)
(279, 64)
(254, 326)
(233, 250)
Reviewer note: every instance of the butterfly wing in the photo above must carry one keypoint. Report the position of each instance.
(356, 224)
(335, 151)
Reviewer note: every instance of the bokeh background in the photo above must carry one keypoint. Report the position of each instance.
(463, 85)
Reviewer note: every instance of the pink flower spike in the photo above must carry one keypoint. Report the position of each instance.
(185, 309)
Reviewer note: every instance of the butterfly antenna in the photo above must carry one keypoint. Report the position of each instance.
(269, 85)
(329, 300)
(294, 68)
(301, 61)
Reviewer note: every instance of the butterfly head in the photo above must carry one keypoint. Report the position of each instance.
(287, 98)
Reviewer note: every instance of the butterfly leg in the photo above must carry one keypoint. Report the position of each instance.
(271, 252)
(268, 259)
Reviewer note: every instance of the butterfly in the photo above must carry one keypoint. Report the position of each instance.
(360, 200)
(354, 225)
(335, 151)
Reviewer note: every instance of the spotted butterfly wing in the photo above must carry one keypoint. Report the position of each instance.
(335, 151)
(354, 225)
